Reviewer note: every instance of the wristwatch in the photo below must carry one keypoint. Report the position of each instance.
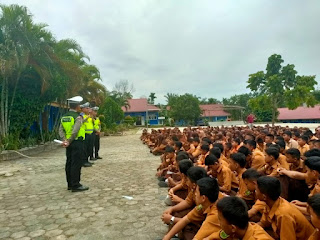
(172, 220)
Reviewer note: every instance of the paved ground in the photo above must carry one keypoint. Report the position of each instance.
(34, 202)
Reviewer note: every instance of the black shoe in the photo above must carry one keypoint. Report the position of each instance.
(98, 157)
(80, 189)
(87, 164)
(162, 184)
(92, 159)
(161, 178)
(69, 188)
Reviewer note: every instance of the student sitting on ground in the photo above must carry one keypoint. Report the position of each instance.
(258, 158)
(219, 171)
(303, 144)
(313, 173)
(234, 221)
(256, 207)
(314, 211)
(286, 221)
(204, 152)
(272, 163)
(181, 187)
(174, 213)
(167, 160)
(205, 214)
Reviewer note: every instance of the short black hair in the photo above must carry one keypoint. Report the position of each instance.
(207, 140)
(259, 140)
(269, 186)
(294, 152)
(280, 138)
(240, 158)
(234, 210)
(175, 138)
(304, 138)
(237, 140)
(313, 163)
(205, 147)
(297, 134)
(244, 150)
(169, 149)
(219, 145)
(289, 133)
(251, 174)
(314, 203)
(178, 144)
(228, 145)
(181, 156)
(252, 143)
(216, 151)
(184, 165)
(270, 136)
(312, 152)
(209, 187)
(273, 151)
(196, 173)
(210, 160)
(282, 144)
(196, 139)
(73, 105)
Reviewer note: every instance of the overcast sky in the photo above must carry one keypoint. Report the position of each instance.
(207, 48)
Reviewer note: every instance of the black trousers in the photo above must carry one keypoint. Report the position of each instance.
(89, 142)
(74, 163)
(96, 145)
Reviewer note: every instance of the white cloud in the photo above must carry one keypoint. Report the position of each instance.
(203, 47)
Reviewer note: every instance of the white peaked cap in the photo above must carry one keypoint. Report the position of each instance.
(76, 99)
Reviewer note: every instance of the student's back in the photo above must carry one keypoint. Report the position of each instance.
(287, 221)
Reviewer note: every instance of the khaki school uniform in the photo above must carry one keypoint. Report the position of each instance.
(243, 190)
(210, 221)
(292, 144)
(283, 161)
(258, 159)
(224, 177)
(315, 235)
(303, 149)
(286, 221)
(271, 170)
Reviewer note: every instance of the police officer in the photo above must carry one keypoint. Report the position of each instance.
(88, 124)
(97, 129)
(72, 132)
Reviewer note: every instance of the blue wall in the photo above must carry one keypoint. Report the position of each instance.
(143, 114)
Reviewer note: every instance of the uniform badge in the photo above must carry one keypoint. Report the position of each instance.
(223, 235)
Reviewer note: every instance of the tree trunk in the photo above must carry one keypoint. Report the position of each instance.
(13, 97)
(2, 100)
(274, 110)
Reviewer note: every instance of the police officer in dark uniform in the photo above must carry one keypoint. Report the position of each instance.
(88, 127)
(72, 132)
(97, 130)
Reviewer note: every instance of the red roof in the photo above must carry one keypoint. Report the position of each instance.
(140, 105)
(213, 110)
(299, 113)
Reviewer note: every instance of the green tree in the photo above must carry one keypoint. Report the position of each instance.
(209, 101)
(240, 100)
(186, 107)
(111, 111)
(280, 83)
(36, 69)
(151, 98)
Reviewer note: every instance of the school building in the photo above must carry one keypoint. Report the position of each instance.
(141, 110)
(213, 113)
(300, 115)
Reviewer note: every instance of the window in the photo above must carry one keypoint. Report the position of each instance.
(152, 117)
